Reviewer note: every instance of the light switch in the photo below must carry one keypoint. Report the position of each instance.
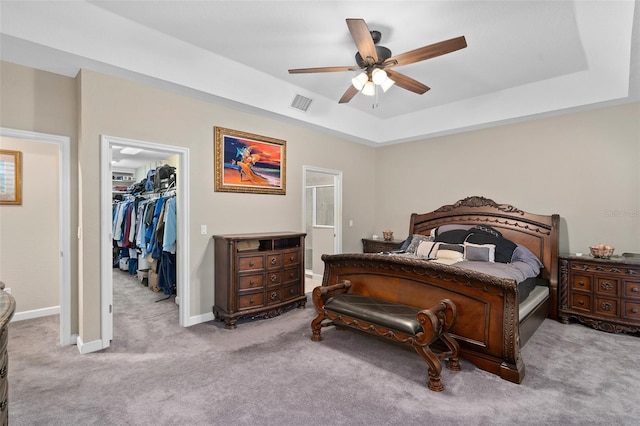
(350, 222)
(203, 229)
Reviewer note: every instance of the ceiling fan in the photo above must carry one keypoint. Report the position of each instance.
(376, 62)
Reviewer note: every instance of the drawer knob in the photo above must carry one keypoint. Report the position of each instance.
(606, 285)
(251, 301)
(580, 302)
(251, 283)
(292, 258)
(634, 310)
(291, 274)
(274, 278)
(251, 263)
(635, 289)
(273, 295)
(274, 260)
(291, 291)
(606, 306)
(581, 283)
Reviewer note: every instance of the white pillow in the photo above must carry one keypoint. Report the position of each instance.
(427, 249)
(480, 252)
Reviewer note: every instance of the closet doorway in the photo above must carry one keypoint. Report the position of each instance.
(182, 238)
(322, 207)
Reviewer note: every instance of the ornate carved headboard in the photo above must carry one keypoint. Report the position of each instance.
(539, 233)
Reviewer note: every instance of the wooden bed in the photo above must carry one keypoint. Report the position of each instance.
(489, 326)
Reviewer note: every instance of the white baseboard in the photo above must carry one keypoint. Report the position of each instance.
(197, 319)
(36, 313)
(85, 348)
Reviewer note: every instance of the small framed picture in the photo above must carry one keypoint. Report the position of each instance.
(10, 177)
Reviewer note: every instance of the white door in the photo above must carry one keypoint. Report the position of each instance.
(323, 216)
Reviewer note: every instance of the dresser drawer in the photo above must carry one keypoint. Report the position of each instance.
(274, 278)
(250, 263)
(291, 274)
(581, 282)
(632, 289)
(608, 307)
(247, 282)
(249, 301)
(291, 291)
(274, 260)
(581, 302)
(274, 295)
(291, 257)
(632, 310)
(607, 286)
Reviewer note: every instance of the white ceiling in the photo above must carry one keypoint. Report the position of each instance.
(523, 60)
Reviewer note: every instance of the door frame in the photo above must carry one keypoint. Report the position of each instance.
(64, 183)
(337, 180)
(183, 288)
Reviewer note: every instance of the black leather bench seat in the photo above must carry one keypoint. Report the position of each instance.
(387, 314)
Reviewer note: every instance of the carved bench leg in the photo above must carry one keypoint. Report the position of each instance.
(435, 368)
(453, 362)
(316, 326)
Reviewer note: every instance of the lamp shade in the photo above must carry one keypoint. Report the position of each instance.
(360, 80)
(387, 84)
(369, 89)
(378, 76)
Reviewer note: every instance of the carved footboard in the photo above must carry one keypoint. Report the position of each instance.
(487, 311)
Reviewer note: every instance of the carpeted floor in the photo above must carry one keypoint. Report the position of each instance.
(269, 372)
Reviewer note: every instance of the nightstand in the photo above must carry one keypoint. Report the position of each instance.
(369, 245)
(601, 293)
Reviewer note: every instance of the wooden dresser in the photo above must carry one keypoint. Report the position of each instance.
(258, 275)
(370, 245)
(601, 293)
(7, 308)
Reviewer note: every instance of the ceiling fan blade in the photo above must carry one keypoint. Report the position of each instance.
(323, 69)
(408, 83)
(428, 52)
(348, 95)
(362, 37)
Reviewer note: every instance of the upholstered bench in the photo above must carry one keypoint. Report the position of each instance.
(402, 323)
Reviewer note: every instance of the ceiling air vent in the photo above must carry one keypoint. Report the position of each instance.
(301, 103)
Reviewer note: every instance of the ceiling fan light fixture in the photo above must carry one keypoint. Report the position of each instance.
(378, 76)
(369, 89)
(360, 80)
(387, 84)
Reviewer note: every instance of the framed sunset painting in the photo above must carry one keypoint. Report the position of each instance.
(245, 162)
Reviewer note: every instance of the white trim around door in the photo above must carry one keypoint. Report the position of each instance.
(182, 252)
(64, 170)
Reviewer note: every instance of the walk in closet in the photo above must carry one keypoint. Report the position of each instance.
(144, 212)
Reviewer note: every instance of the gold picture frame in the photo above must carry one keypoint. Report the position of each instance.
(245, 162)
(10, 177)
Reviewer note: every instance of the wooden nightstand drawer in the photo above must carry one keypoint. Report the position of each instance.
(607, 307)
(249, 301)
(246, 282)
(581, 282)
(250, 263)
(632, 289)
(607, 286)
(632, 310)
(581, 302)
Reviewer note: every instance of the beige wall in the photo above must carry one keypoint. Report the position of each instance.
(43, 102)
(583, 166)
(29, 232)
(114, 107)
